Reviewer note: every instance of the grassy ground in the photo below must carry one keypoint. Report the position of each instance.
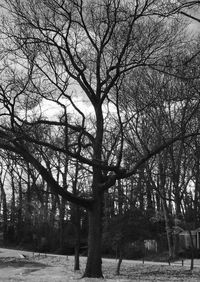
(60, 269)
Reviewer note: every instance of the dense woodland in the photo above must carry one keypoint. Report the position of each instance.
(99, 126)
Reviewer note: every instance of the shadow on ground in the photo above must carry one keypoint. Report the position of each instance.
(17, 262)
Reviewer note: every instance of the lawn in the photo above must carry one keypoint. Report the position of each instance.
(59, 268)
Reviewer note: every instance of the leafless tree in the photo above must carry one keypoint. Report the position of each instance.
(59, 52)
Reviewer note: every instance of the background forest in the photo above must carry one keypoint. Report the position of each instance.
(99, 126)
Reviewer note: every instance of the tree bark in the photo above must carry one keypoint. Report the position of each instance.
(94, 261)
(95, 213)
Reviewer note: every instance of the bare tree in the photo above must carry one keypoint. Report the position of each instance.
(59, 52)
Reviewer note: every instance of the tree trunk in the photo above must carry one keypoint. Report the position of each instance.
(12, 214)
(94, 262)
(19, 214)
(95, 213)
(28, 211)
(192, 260)
(192, 251)
(5, 212)
(119, 262)
(168, 230)
(77, 237)
(76, 255)
(120, 197)
(62, 224)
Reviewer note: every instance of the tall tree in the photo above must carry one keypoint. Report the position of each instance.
(58, 52)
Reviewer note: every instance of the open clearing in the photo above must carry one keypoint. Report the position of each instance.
(51, 268)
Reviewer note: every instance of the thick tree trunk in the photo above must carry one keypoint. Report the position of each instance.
(94, 262)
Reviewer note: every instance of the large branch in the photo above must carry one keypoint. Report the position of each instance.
(190, 16)
(46, 175)
(76, 128)
(9, 138)
(111, 180)
(155, 151)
